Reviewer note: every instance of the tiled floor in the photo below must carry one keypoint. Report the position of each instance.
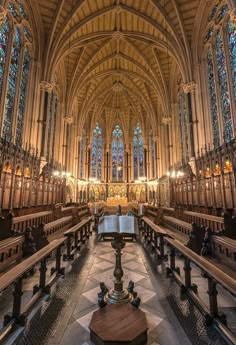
(146, 287)
(64, 318)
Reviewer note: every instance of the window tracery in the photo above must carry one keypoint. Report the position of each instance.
(117, 154)
(82, 148)
(138, 152)
(96, 159)
(218, 72)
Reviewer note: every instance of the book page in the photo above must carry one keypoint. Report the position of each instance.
(128, 224)
(108, 224)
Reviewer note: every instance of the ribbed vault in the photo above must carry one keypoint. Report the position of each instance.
(115, 58)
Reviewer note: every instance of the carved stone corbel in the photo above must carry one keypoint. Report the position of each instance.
(189, 87)
(46, 86)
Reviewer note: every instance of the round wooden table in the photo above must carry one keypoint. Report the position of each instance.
(118, 324)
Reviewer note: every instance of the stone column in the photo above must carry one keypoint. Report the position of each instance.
(46, 90)
(189, 89)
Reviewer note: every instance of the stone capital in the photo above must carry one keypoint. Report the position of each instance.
(189, 87)
(233, 16)
(156, 138)
(68, 119)
(78, 138)
(46, 86)
(166, 120)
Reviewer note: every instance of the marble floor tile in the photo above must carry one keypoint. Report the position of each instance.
(104, 265)
(135, 266)
(152, 320)
(85, 320)
(144, 294)
(92, 295)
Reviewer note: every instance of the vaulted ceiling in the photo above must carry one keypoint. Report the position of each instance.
(117, 58)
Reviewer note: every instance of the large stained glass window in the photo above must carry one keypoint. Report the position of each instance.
(4, 35)
(117, 154)
(81, 156)
(96, 159)
(212, 98)
(12, 86)
(223, 88)
(23, 90)
(231, 33)
(153, 155)
(138, 152)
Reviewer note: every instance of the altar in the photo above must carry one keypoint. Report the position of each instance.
(117, 200)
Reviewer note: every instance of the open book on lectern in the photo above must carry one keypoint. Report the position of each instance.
(119, 224)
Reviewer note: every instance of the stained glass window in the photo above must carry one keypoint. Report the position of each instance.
(12, 9)
(117, 154)
(23, 90)
(27, 33)
(208, 34)
(213, 12)
(81, 156)
(138, 152)
(96, 158)
(224, 89)
(231, 33)
(4, 33)
(12, 85)
(153, 155)
(222, 13)
(22, 11)
(212, 98)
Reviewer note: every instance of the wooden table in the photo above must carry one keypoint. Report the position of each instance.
(118, 324)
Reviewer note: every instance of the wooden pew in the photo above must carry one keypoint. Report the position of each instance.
(21, 223)
(80, 233)
(219, 246)
(17, 274)
(213, 274)
(83, 212)
(215, 223)
(11, 250)
(14, 248)
(224, 248)
(154, 235)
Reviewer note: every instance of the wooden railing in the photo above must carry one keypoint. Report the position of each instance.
(79, 233)
(176, 224)
(216, 224)
(21, 223)
(13, 248)
(209, 271)
(17, 274)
